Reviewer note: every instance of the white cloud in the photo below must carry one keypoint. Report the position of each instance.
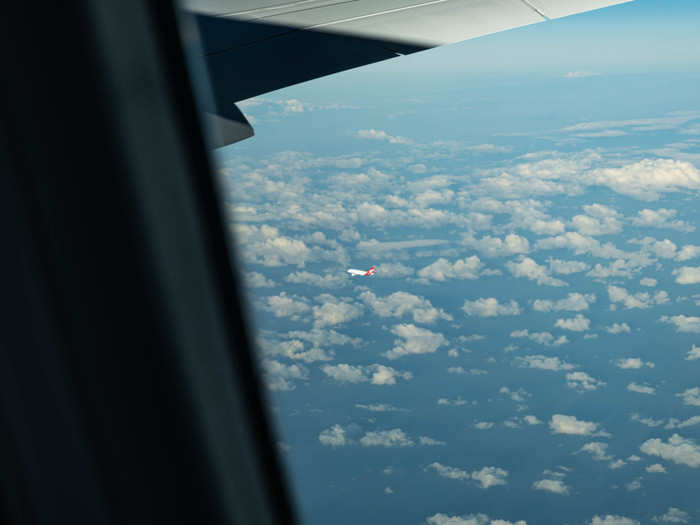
(257, 280)
(687, 275)
(678, 449)
(380, 407)
(414, 340)
(453, 402)
(637, 300)
(483, 425)
(402, 303)
(582, 381)
(688, 252)
(285, 306)
(647, 179)
(633, 363)
(660, 218)
(675, 423)
(566, 267)
(618, 328)
(450, 472)
(656, 468)
(562, 424)
(634, 485)
(282, 377)
(597, 450)
(386, 438)
(544, 363)
(673, 515)
(531, 420)
(575, 324)
(470, 519)
(556, 486)
(442, 269)
(265, 245)
(691, 396)
(490, 307)
(683, 323)
(428, 441)
(328, 280)
(334, 436)
(574, 302)
(378, 134)
(648, 281)
(543, 338)
(648, 421)
(511, 244)
(295, 349)
(334, 311)
(528, 268)
(393, 270)
(641, 389)
(693, 353)
(375, 374)
(490, 476)
(610, 519)
(599, 220)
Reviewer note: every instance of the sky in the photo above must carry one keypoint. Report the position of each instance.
(528, 351)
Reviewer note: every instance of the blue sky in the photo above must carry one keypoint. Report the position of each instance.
(529, 349)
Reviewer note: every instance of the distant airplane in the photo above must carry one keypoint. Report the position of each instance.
(367, 273)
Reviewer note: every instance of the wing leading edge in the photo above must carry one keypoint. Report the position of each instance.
(252, 47)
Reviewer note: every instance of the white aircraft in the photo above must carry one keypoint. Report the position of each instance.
(367, 273)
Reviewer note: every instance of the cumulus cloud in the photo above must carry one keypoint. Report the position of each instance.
(483, 425)
(543, 338)
(544, 363)
(683, 323)
(511, 244)
(661, 218)
(393, 270)
(583, 382)
(636, 300)
(378, 134)
(677, 449)
(556, 486)
(566, 267)
(380, 407)
(282, 377)
(334, 311)
(597, 450)
(450, 472)
(599, 220)
(470, 519)
(257, 280)
(648, 281)
(399, 304)
(688, 252)
(676, 423)
(265, 245)
(442, 269)
(618, 328)
(334, 436)
(375, 374)
(528, 268)
(490, 307)
(673, 515)
(691, 396)
(575, 324)
(486, 477)
(633, 363)
(428, 441)
(687, 275)
(693, 353)
(283, 305)
(611, 519)
(648, 178)
(641, 389)
(656, 468)
(574, 302)
(386, 438)
(414, 340)
(563, 424)
(329, 280)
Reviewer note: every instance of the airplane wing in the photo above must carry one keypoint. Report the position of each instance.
(252, 47)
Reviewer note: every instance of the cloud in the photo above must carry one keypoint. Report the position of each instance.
(414, 340)
(279, 376)
(265, 245)
(284, 306)
(683, 323)
(693, 353)
(633, 363)
(328, 280)
(678, 449)
(660, 218)
(375, 374)
(575, 324)
(637, 300)
(531, 420)
(528, 268)
(334, 436)
(442, 269)
(397, 270)
(377, 134)
(566, 267)
(633, 485)
(470, 519)
(544, 363)
(490, 307)
(574, 302)
(689, 251)
(334, 311)
(562, 424)
(641, 389)
(386, 438)
(648, 421)
(556, 486)
(618, 328)
(257, 280)
(675, 423)
(428, 441)
(543, 338)
(450, 472)
(581, 74)
(687, 275)
(648, 178)
(582, 381)
(490, 476)
(691, 396)
(610, 519)
(597, 450)
(380, 407)
(648, 281)
(599, 220)
(295, 349)
(511, 244)
(673, 515)
(656, 468)
(399, 304)
(483, 425)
